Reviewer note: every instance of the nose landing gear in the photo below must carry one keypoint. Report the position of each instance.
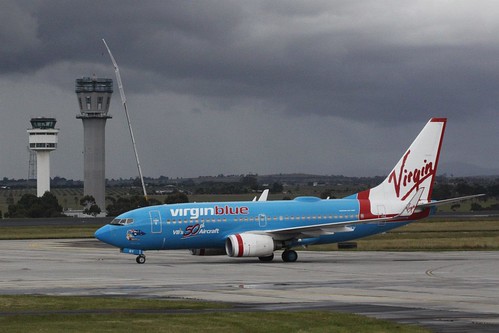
(141, 258)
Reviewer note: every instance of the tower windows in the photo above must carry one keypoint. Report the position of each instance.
(88, 101)
(99, 102)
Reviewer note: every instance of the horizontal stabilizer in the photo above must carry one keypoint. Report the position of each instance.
(448, 201)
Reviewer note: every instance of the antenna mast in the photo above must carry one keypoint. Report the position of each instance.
(123, 100)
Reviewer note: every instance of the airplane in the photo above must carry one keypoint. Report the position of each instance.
(260, 227)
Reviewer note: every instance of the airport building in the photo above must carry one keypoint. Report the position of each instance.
(42, 140)
(94, 98)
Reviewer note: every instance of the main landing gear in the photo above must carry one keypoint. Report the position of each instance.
(140, 259)
(287, 256)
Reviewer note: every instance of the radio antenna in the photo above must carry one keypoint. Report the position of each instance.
(123, 101)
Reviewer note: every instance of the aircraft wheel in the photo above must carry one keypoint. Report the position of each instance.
(289, 256)
(140, 259)
(267, 259)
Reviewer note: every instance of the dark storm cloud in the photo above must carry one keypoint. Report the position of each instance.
(369, 60)
(369, 66)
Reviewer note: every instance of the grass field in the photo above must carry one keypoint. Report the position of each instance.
(93, 314)
(433, 235)
(46, 232)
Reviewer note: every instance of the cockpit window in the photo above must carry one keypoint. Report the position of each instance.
(121, 221)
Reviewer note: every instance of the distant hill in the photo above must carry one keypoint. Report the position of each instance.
(463, 169)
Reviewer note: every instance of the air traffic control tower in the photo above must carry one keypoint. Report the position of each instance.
(42, 140)
(94, 98)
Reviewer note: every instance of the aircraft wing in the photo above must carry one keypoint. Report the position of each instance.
(321, 229)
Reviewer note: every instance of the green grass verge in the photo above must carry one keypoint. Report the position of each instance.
(124, 319)
(46, 232)
(20, 303)
(432, 235)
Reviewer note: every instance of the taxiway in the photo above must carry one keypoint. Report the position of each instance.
(445, 291)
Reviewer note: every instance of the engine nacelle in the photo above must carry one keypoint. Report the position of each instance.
(207, 252)
(249, 245)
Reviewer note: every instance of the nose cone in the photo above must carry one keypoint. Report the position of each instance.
(104, 234)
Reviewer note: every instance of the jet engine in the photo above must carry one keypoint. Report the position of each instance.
(249, 245)
(207, 252)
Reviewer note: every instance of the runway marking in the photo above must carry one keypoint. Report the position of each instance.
(429, 272)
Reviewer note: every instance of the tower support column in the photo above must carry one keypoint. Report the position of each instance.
(94, 164)
(42, 173)
(94, 98)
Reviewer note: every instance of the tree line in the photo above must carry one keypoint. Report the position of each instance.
(32, 206)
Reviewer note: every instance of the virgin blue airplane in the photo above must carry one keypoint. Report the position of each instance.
(260, 227)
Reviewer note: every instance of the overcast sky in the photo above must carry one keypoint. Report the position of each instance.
(235, 87)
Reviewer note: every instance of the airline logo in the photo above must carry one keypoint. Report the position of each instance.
(195, 213)
(410, 180)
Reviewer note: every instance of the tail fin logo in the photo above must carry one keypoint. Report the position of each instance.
(409, 181)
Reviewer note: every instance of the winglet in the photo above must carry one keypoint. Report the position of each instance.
(264, 195)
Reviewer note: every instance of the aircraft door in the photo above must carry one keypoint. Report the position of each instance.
(262, 220)
(156, 226)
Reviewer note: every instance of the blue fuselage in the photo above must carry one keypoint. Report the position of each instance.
(207, 225)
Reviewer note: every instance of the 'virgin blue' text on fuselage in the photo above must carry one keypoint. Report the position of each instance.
(195, 213)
